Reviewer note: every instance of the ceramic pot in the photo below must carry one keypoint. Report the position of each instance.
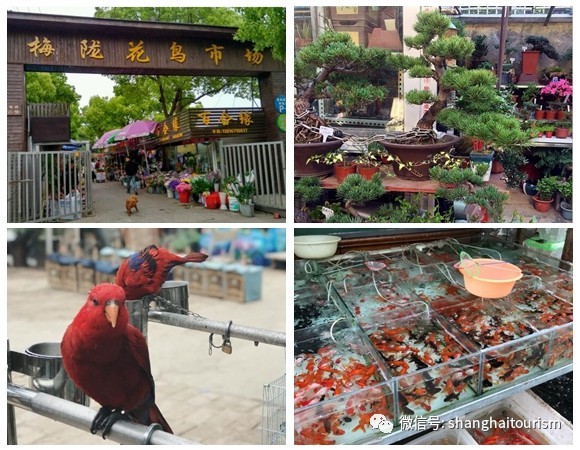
(304, 151)
(529, 188)
(542, 205)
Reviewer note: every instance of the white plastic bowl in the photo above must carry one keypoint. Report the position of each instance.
(315, 246)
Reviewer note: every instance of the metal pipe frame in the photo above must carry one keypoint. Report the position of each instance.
(81, 417)
(218, 327)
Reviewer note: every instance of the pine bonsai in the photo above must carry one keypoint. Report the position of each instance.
(355, 190)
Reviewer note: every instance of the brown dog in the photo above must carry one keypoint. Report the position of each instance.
(131, 203)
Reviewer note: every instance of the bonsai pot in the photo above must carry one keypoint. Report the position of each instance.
(418, 156)
(542, 205)
(341, 171)
(566, 210)
(530, 59)
(304, 151)
(366, 172)
(496, 167)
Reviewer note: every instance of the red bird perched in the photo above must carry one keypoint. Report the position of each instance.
(143, 273)
(108, 359)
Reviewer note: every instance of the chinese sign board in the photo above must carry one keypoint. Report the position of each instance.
(211, 123)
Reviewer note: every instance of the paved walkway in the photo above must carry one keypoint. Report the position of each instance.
(209, 399)
(109, 207)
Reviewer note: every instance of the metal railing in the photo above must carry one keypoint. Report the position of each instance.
(268, 160)
(515, 10)
(49, 186)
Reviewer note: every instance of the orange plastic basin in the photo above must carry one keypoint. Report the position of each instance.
(488, 278)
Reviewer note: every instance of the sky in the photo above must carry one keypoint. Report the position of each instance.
(88, 85)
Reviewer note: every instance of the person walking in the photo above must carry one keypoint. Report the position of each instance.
(131, 169)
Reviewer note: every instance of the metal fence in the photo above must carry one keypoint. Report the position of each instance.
(268, 160)
(515, 10)
(48, 186)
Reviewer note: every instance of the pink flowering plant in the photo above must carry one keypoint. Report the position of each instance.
(561, 89)
(183, 187)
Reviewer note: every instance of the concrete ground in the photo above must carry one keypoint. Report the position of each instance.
(208, 399)
(109, 207)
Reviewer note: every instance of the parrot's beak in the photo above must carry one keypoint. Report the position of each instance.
(112, 311)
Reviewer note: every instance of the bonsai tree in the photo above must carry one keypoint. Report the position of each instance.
(542, 45)
(437, 49)
(333, 66)
(480, 51)
(512, 159)
(466, 185)
(355, 190)
(307, 190)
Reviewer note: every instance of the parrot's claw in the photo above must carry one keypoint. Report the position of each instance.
(105, 419)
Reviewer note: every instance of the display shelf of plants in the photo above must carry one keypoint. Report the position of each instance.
(420, 345)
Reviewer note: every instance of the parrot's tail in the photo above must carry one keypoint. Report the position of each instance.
(195, 257)
(155, 416)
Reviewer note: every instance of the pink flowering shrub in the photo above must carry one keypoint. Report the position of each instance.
(559, 88)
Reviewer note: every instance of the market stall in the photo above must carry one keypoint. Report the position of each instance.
(398, 332)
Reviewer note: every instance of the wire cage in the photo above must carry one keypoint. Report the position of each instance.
(274, 412)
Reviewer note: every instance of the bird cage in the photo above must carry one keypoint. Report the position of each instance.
(274, 412)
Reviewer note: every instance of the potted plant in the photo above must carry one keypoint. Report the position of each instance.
(546, 188)
(367, 162)
(536, 45)
(512, 159)
(338, 159)
(475, 92)
(562, 130)
(246, 192)
(557, 92)
(232, 186)
(355, 190)
(199, 185)
(565, 189)
(464, 187)
(183, 189)
(307, 191)
(329, 64)
(214, 178)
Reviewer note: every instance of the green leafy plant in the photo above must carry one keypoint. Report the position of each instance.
(331, 158)
(406, 211)
(531, 92)
(199, 185)
(308, 189)
(547, 187)
(356, 190)
(565, 188)
(512, 159)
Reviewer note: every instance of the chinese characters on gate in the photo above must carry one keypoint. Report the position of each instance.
(137, 52)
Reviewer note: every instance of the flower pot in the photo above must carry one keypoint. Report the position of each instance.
(540, 114)
(247, 209)
(417, 157)
(566, 210)
(482, 158)
(159, 190)
(212, 201)
(184, 197)
(459, 210)
(496, 167)
(151, 189)
(529, 188)
(234, 205)
(341, 171)
(542, 205)
(304, 151)
(530, 59)
(560, 115)
(550, 114)
(170, 194)
(216, 187)
(561, 133)
(366, 172)
(532, 172)
(549, 134)
(223, 197)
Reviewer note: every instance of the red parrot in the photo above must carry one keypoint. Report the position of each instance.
(108, 359)
(143, 273)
